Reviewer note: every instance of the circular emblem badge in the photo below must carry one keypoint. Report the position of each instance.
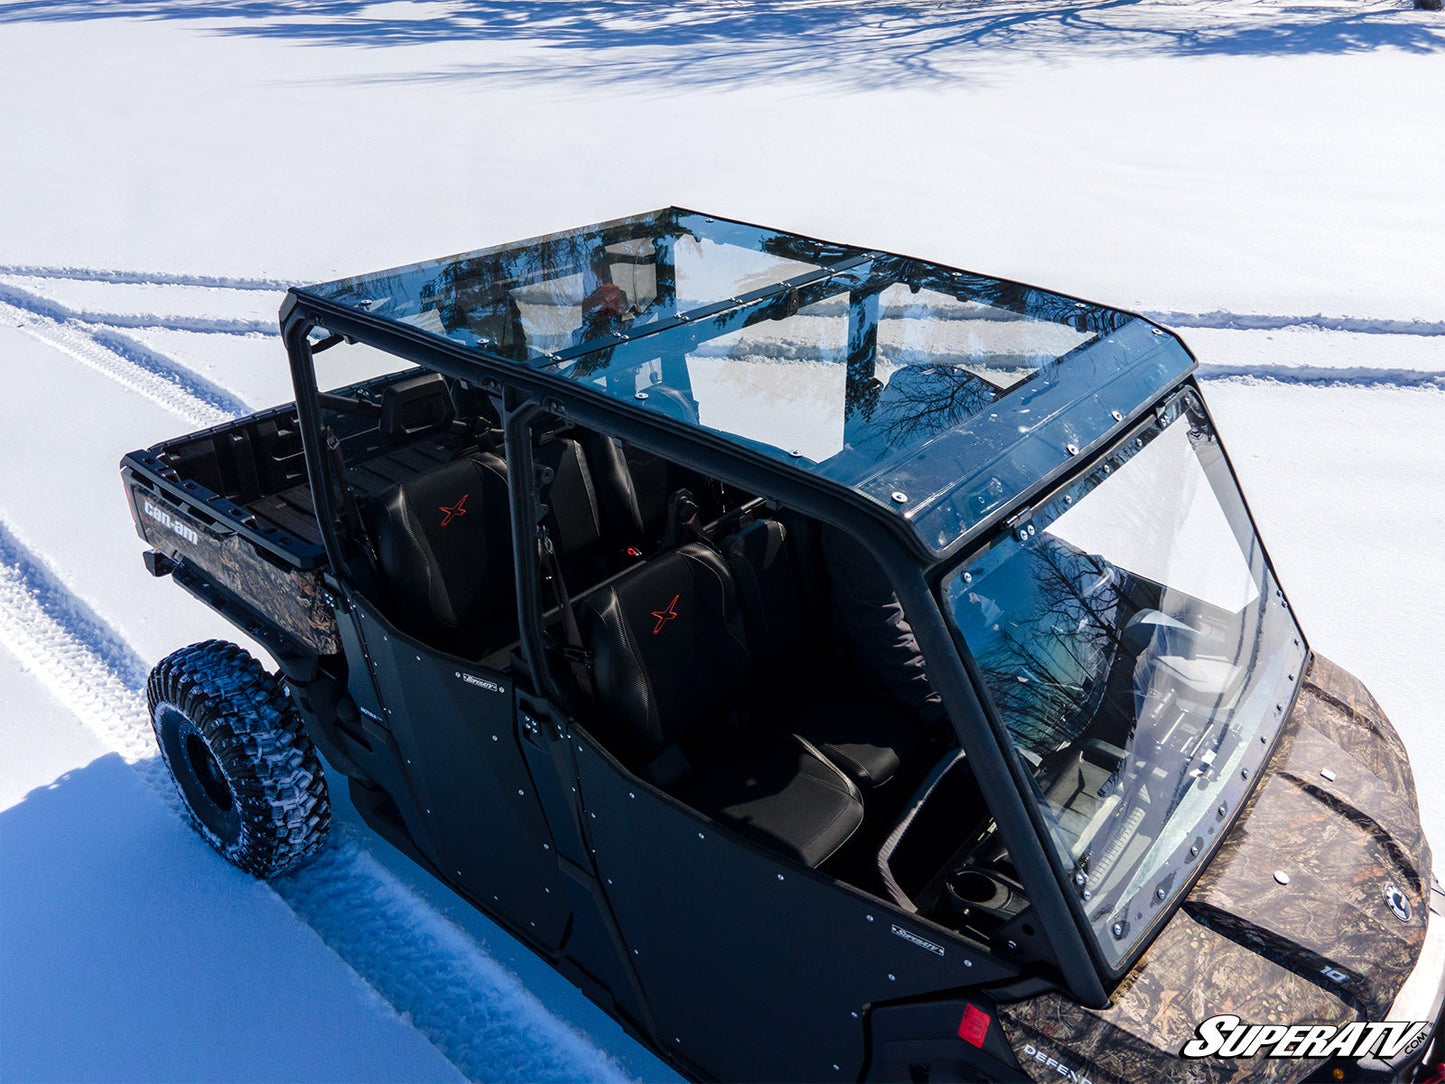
(1397, 903)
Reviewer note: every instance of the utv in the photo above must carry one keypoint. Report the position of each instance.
(840, 666)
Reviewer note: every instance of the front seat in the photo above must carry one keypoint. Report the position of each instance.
(670, 656)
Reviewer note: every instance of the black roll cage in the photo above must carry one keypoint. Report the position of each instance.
(525, 394)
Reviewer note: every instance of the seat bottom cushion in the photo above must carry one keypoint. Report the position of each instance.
(868, 735)
(774, 789)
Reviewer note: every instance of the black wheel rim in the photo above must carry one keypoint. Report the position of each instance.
(200, 776)
(208, 772)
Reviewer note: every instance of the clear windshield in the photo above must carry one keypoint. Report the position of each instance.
(1134, 643)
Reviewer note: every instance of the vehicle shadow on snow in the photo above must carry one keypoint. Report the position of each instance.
(714, 42)
(131, 953)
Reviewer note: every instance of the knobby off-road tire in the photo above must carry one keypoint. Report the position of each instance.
(246, 770)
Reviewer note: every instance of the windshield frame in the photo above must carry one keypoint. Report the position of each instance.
(1235, 792)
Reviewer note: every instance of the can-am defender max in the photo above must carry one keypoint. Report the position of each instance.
(544, 563)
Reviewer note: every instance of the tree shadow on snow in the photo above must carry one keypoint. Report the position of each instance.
(717, 42)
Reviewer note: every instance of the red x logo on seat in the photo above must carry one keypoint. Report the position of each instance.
(664, 616)
(458, 509)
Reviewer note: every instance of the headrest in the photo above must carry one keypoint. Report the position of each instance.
(415, 406)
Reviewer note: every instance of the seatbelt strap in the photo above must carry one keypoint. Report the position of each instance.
(349, 511)
(579, 659)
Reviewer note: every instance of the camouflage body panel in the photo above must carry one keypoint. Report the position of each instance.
(1245, 944)
(290, 598)
(1189, 974)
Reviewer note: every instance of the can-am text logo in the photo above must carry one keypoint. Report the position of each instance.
(1227, 1036)
(165, 520)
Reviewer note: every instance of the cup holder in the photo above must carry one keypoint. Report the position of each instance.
(971, 890)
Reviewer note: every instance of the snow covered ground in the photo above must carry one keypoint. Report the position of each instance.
(1264, 176)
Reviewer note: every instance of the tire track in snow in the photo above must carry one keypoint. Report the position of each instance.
(473, 1010)
(1239, 321)
(55, 310)
(1322, 376)
(174, 386)
(145, 278)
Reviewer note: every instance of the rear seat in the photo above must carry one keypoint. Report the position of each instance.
(670, 659)
(866, 733)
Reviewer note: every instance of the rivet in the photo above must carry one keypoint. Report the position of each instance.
(968, 577)
(636, 952)
(546, 846)
(418, 658)
(868, 917)
(780, 876)
(1088, 895)
(700, 835)
(631, 795)
(520, 792)
(1281, 876)
(1328, 774)
(641, 395)
(1013, 945)
(1194, 851)
(494, 737)
(1222, 809)
(1160, 892)
(967, 963)
(1072, 449)
(1118, 929)
(1244, 773)
(892, 978)
(795, 453)
(899, 497)
(1080, 878)
(854, 1015)
(1116, 415)
(609, 880)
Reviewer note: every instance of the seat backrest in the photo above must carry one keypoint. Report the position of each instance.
(574, 520)
(669, 651)
(444, 546)
(762, 565)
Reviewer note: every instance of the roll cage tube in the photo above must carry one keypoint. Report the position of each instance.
(517, 412)
(295, 328)
(997, 770)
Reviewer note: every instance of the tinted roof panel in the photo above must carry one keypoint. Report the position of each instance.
(939, 393)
